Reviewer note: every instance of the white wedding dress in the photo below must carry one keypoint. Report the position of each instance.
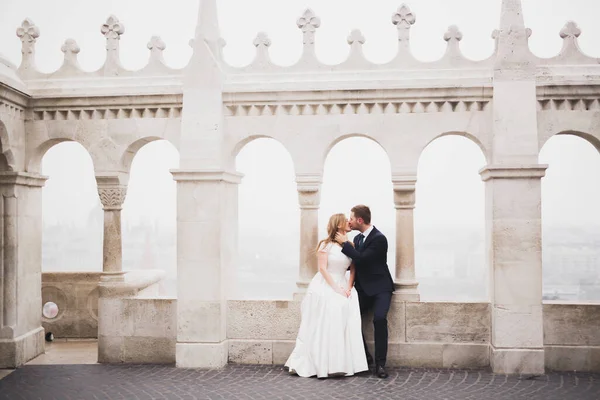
(329, 341)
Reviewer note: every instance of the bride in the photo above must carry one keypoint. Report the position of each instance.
(329, 340)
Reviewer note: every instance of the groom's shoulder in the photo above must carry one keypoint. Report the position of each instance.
(378, 233)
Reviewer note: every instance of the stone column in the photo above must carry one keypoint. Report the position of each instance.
(309, 198)
(206, 250)
(513, 197)
(112, 189)
(21, 333)
(405, 282)
(514, 248)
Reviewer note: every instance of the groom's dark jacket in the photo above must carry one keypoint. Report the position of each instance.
(372, 273)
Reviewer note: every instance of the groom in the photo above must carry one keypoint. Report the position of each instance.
(373, 281)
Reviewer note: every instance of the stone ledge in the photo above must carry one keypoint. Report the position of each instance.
(572, 358)
(520, 171)
(16, 352)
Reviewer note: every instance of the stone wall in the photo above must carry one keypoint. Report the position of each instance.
(76, 295)
(572, 336)
(444, 335)
(422, 334)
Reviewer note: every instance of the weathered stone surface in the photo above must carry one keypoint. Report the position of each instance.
(250, 352)
(263, 319)
(137, 330)
(76, 296)
(572, 358)
(448, 322)
(571, 324)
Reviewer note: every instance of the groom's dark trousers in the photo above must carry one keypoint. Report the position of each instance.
(374, 285)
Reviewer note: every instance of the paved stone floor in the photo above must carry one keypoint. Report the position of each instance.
(98, 381)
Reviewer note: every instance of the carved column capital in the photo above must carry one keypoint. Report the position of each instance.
(404, 191)
(112, 198)
(309, 191)
(112, 188)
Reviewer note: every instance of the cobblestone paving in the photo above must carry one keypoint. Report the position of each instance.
(134, 382)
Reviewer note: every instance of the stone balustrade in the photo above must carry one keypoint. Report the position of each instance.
(422, 334)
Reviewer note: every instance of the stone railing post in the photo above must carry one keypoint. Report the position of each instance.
(21, 332)
(207, 245)
(112, 189)
(405, 282)
(514, 245)
(309, 198)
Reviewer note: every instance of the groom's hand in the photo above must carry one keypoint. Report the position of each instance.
(341, 238)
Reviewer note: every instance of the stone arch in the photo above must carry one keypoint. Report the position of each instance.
(133, 148)
(349, 136)
(241, 144)
(464, 134)
(593, 139)
(267, 195)
(449, 220)
(570, 192)
(7, 158)
(34, 163)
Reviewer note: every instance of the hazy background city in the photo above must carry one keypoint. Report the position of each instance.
(449, 219)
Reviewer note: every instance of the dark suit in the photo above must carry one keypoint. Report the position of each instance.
(374, 285)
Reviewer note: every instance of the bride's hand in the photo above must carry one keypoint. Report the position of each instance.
(341, 238)
(342, 290)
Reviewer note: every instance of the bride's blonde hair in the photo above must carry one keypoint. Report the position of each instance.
(335, 221)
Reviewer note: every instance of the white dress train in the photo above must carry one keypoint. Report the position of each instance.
(329, 340)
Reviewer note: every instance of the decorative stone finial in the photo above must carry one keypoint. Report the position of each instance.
(308, 23)
(112, 31)
(262, 44)
(71, 49)
(28, 32)
(453, 34)
(571, 52)
(113, 28)
(403, 18)
(156, 46)
(262, 40)
(356, 38)
(570, 30)
(356, 58)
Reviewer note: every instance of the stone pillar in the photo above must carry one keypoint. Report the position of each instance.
(405, 282)
(112, 189)
(21, 332)
(513, 197)
(514, 248)
(206, 249)
(309, 198)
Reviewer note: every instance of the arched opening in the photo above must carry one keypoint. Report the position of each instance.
(450, 262)
(268, 221)
(357, 171)
(149, 216)
(72, 216)
(571, 220)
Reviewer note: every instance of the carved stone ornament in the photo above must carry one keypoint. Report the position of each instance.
(112, 198)
(308, 23)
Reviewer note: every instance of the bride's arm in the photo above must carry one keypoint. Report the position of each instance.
(322, 262)
(351, 279)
